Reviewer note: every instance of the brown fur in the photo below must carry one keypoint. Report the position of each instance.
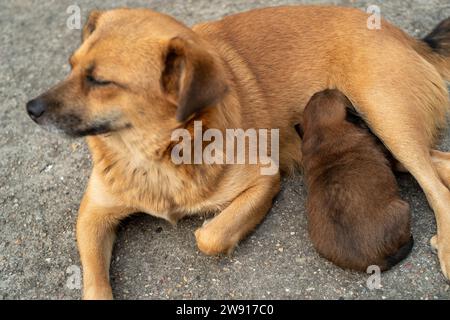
(263, 66)
(355, 215)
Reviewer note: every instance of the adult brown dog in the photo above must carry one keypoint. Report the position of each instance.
(356, 217)
(139, 74)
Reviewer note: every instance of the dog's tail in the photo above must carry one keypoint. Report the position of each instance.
(435, 48)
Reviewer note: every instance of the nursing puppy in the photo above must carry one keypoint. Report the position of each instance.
(355, 215)
(139, 75)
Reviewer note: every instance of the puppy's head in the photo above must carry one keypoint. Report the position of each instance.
(325, 109)
(134, 69)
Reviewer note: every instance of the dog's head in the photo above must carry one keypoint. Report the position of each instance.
(136, 69)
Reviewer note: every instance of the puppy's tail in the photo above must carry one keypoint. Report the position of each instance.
(435, 48)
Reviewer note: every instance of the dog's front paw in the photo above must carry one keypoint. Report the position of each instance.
(212, 242)
(442, 248)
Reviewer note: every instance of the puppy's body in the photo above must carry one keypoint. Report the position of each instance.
(355, 215)
(139, 75)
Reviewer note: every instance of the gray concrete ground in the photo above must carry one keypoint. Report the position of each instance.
(42, 177)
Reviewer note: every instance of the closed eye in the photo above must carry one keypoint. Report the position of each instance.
(97, 82)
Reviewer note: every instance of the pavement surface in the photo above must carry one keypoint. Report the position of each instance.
(42, 178)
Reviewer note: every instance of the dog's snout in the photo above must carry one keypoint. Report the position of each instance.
(36, 108)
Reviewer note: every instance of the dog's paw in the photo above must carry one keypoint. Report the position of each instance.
(443, 251)
(98, 293)
(211, 242)
(433, 244)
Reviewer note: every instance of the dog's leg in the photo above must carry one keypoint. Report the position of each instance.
(441, 161)
(223, 232)
(95, 236)
(421, 167)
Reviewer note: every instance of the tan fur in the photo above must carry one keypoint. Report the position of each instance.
(263, 66)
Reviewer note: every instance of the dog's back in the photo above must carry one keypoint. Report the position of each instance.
(355, 215)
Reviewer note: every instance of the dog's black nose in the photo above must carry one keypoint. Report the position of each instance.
(36, 108)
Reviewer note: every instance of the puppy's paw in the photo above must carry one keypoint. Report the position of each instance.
(98, 293)
(443, 249)
(212, 242)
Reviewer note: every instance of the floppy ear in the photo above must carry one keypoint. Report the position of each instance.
(91, 24)
(192, 78)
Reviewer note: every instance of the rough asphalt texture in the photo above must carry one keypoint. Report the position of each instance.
(42, 178)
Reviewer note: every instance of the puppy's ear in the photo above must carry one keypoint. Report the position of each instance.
(91, 24)
(192, 78)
